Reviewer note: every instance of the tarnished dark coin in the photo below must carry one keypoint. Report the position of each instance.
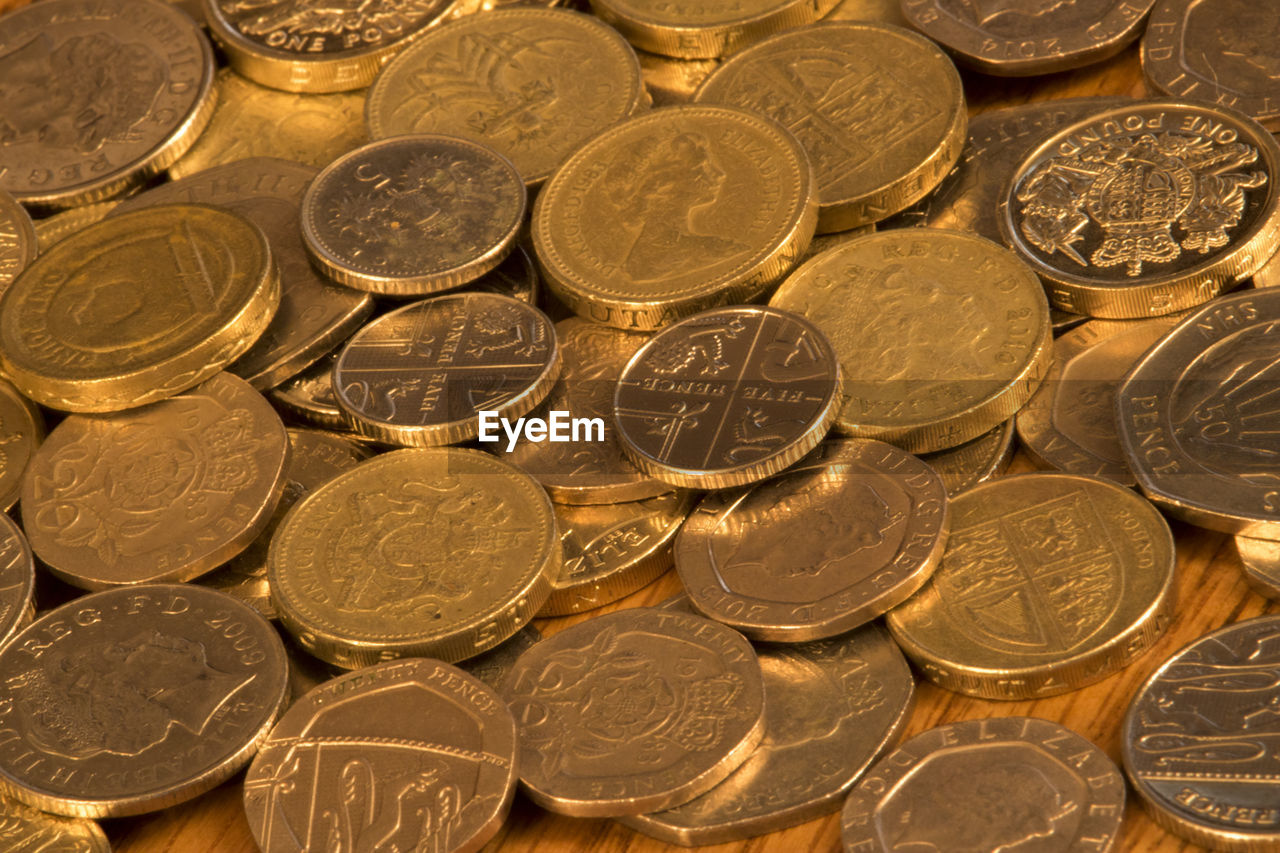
(18, 242)
(21, 431)
(727, 397)
(17, 581)
(421, 375)
(1199, 414)
(413, 215)
(95, 98)
(133, 700)
(165, 492)
(1146, 209)
(974, 462)
(1260, 559)
(832, 707)
(412, 755)
(1198, 742)
(1016, 38)
(994, 784)
(634, 711)
(1221, 51)
(839, 538)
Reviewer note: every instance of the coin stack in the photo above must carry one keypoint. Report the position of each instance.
(417, 403)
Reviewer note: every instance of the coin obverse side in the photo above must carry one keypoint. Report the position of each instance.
(436, 552)
(634, 711)
(988, 785)
(727, 397)
(695, 29)
(137, 308)
(1198, 417)
(894, 131)
(17, 581)
(943, 336)
(1192, 744)
(1021, 39)
(421, 375)
(1049, 582)
(406, 755)
(1147, 209)
(673, 212)
(532, 84)
(133, 700)
(1222, 51)
(413, 215)
(162, 493)
(18, 240)
(299, 46)
(28, 829)
(832, 707)
(1069, 424)
(875, 525)
(314, 316)
(1260, 560)
(21, 432)
(97, 97)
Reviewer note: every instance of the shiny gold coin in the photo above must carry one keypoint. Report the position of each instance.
(884, 11)
(496, 355)
(315, 458)
(532, 84)
(298, 46)
(1260, 559)
(436, 552)
(134, 700)
(673, 212)
(633, 712)
(21, 431)
(832, 707)
(308, 398)
(1049, 582)
(612, 550)
(492, 666)
(943, 335)
(165, 492)
(893, 133)
(97, 97)
(1070, 423)
(137, 308)
(839, 538)
(29, 830)
(17, 582)
(698, 29)
(18, 240)
(594, 471)
(413, 215)
(253, 121)
(1269, 274)
(52, 230)
(1110, 243)
(672, 81)
(314, 316)
(412, 755)
(989, 785)
(727, 397)
(983, 458)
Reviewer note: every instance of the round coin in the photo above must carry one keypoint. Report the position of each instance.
(988, 785)
(673, 81)
(1198, 417)
(698, 29)
(883, 11)
(1260, 560)
(1049, 582)
(32, 830)
(137, 308)
(140, 698)
(1195, 745)
(21, 431)
(309, 398)
(411, 755)
(1021, 39)
(874, 522)
(17, 582)
(97, 97)
(966, 465)
(1147, 209)
(727, 397)
(413, 215)
(1070, 423)
(436, 552)
(52, 230)
(492, 666)
(532, 84)
(893, 132)
(302, 46)
(943, 336)
(633, 712)
(18, 241)
(673, 212)
(424, 374)
(165, 492)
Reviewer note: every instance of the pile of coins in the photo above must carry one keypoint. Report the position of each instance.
(341, 341)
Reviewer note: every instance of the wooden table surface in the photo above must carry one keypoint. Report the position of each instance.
(1211, 592)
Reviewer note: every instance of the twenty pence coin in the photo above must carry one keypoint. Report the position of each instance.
(705, 29)
(634, 711)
